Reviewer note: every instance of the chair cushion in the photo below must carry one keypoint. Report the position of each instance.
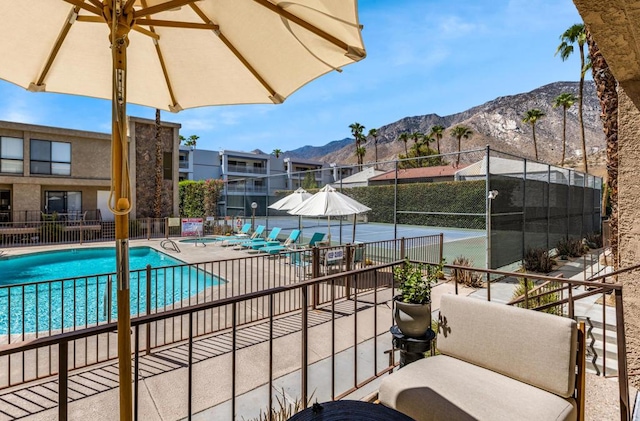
(445, 388)
(530, 346)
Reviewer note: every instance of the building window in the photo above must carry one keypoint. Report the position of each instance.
(167, 165)
(53, 158)
(11, 156)
(67, 202)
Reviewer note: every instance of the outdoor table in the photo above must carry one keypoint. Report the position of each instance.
(346, 410)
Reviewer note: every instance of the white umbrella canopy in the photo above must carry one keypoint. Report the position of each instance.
(170, 55)
(292, 200)
(182, 53)
(329, 202)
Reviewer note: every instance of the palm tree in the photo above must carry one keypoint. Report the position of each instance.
(277, 152)
(576, 35)
(360, 153)
(157, 196)
(404, 137)
(416, 137)
(356, 131)
(460, 132)
(437, 132)
(608, 96)
(531, 117)
(564, 100)
(191, 141)
(374, 133)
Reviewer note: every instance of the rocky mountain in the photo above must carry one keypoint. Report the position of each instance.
(497, 123)
(318, 152)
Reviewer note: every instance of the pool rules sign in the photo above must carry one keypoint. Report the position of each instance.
(192, 227)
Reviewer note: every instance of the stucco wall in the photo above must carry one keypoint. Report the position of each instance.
(628, 227)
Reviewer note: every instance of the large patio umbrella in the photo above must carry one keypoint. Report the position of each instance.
(171, 55)
(330, 202)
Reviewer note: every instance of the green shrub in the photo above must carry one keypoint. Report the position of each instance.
(469, 278)
(537, 260)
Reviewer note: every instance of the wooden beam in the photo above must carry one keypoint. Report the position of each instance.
(92, 19)
(145, 31)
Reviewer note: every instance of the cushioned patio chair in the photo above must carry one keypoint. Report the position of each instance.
(256, 243)
(244, 233)
(256, 235)
(496, 362)
(277, 248)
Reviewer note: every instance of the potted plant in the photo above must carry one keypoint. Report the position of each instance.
(412, 312)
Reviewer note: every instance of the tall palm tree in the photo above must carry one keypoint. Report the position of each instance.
(576, 35)
(531, 117)
(460, 132)
(374, 134)
(404, 137)
(157, 196)
(608, 96)
(277, 152)
(360, 153)
(437, 132)
(564, 100)
(356, 130)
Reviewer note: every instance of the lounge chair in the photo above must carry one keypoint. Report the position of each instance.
(256, 243)
(300, 260)
(235, 241)
(315, 238)
(275, 249)
(243, 233)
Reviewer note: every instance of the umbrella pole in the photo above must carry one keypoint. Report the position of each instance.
(120, 183)
(353, 237)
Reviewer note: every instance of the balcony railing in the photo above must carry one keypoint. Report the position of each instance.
(246, 169)
(353, 302)
(231, 188)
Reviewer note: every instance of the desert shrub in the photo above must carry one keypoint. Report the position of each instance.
(537, 260)
(594, 240)
(539, 297)
(284, 410)
(469, 278)
(571, 247)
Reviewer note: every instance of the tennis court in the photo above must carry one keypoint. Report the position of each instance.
(470, 243)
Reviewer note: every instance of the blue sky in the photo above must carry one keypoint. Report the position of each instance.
(424, 56)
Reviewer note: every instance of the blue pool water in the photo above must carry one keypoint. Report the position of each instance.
(201, 240)
(30, 302)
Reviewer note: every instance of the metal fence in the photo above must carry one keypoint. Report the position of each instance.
(41, 309)
(59, 351)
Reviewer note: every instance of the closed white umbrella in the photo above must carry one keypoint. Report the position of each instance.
(329, 202)
(171, 55)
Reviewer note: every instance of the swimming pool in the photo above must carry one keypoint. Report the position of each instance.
(30, 302)
(201, 240)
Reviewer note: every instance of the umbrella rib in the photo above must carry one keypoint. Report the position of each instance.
(56, 48)
(88, 7)
(273, 95)
(350, 51)
(162, 63)
(173, 4)
(175, 24)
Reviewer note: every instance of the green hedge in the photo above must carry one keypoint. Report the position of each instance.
(198, 198)
(457, 197)
(446, 197)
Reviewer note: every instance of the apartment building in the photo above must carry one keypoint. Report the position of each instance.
(249, 176)
(46, 170)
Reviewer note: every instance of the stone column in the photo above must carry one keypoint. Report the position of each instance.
(628, 226)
